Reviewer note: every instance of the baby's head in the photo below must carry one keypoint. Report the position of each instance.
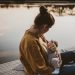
(55, 42)
(53, 49)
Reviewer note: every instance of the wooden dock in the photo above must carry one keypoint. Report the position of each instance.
(12, 68)
(16, 68)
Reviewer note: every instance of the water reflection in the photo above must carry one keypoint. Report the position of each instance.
(58, 9)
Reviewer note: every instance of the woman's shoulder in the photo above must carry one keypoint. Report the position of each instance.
(28, 36)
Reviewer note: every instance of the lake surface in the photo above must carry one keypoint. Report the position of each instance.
(14, 22)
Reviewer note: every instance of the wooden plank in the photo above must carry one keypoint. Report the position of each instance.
(9, 68)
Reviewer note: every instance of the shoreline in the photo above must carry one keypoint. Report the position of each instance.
(8, 59)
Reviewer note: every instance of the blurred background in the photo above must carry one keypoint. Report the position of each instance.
(16, 16)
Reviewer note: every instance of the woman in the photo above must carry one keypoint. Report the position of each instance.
(32, 54)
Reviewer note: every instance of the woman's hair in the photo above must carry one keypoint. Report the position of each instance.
(44, 17)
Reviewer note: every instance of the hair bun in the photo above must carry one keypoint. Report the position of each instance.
(43, 10)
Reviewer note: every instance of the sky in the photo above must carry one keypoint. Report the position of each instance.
(14, 22)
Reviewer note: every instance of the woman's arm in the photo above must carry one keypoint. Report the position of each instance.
(36, 59)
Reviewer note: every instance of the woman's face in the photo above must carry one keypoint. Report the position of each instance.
(44, 29)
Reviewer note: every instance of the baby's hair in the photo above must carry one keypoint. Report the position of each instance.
(56, 43)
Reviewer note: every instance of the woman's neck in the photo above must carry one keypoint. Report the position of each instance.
(35, 30)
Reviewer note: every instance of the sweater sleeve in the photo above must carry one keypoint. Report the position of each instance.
(36, 59)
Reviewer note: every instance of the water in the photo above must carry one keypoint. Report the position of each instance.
(14, 22)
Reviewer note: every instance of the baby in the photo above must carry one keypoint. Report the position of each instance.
(54, 54)
(54, 57)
